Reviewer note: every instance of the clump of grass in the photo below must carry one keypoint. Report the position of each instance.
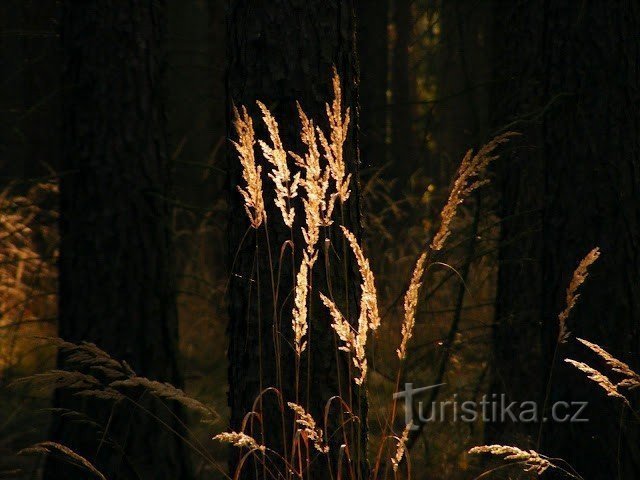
(320, 182)
(94, 373)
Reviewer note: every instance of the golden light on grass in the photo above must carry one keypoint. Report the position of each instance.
(401, 449)
(632, 379)
(299, 316)
(411, 304)
(533, 461)
(333, 146)
(286, 185)
(597, 377)
(578, 278)
(309, 427)
(240, 440)
(251, 172)
(466, 182)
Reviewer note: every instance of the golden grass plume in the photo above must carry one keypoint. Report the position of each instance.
(309, 427)
(251, 172)
(579, 276)
(411, 304)
(467, 181)
(240, 440)
(533, 461)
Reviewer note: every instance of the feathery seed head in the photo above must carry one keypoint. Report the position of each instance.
(239, 439)
(402, 447)
(579, 276)
(533, 460)
(309, 427)
(598, 378)
(333, 146)
(632, 379)
(466, 182)
(251, 173)
(411, 304)
(299, 316)
(286, 186)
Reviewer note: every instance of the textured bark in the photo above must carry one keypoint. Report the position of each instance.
(373, 56)
(116, 270)
(280, 52)
(574, 76)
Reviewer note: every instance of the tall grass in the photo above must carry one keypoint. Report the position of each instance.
(322, 185)
(310, 188)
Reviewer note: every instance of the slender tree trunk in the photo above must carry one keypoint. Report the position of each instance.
(402, 137)
(574, 71)
(116, 268)
(373, 56)
(281, 52)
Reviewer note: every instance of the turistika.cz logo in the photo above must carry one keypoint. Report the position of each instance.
(491, 408)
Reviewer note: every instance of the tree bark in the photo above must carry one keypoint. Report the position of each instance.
(116, 284)
(279, 53)
(572, 82)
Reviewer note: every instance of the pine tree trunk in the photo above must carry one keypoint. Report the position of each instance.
(116, 269)
(281, 52)
(572, 185)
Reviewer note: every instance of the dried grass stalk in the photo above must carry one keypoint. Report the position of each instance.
(333, 147)
(578, 278)
(632, 379)
(251, 173)
(309, 427)
(598, 378)
(299, 316)
(466, 182)
(286, 185)
(401, 448)
(534, 462)
(240, 440)
(411, 304)
(315, 183)
(352, 341)
(53, 447)
(369, 299)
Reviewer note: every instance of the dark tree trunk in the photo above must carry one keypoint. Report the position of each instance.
(461, 79)
(373, 56)
(281, 52)
(518, 80)
(116, 270)
(572, 83)
(402, 137)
